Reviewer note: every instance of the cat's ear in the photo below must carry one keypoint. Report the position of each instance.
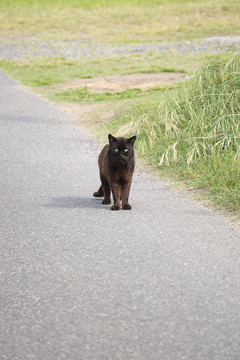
(111, 138)
(132, 139)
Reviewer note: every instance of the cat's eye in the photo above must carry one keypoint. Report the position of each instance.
(116, 151)
(125, 151)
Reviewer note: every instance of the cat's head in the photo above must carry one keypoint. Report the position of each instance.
(120, 150)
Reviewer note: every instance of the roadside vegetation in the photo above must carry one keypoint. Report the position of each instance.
(195, 132)
(119, 21)
(42, 73)
(188, 131)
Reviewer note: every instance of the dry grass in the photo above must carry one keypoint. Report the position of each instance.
(196, 130)
(149, 20)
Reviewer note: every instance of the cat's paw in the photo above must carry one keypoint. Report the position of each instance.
(126, 207)
(115, 207)
(106, 202)
(97, 194)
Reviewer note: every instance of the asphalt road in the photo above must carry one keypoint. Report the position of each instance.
(81, 282)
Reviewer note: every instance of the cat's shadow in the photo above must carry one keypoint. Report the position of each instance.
(69, 202)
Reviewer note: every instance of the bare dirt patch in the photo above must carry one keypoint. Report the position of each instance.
(117, 83)
(88, 114)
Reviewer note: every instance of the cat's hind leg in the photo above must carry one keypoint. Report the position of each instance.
(99, 193)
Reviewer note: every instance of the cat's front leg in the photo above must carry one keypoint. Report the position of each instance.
(106, 190)
(125, 194)
(116, 190)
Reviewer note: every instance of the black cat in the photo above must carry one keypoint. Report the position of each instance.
(116, 164)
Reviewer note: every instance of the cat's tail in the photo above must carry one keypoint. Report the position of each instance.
(99, 193)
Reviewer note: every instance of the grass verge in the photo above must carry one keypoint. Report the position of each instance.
(42, 73)
(82, 95)
(195, 132)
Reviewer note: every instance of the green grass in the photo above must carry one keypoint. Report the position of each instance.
(195, 132)
(83, 95)
(51, 72)
(106, 20)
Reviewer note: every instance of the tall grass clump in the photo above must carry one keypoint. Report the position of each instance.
(196, 131)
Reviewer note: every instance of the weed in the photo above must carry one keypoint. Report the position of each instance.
(196, 130)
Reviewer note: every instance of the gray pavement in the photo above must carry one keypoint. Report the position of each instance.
(79, 281)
